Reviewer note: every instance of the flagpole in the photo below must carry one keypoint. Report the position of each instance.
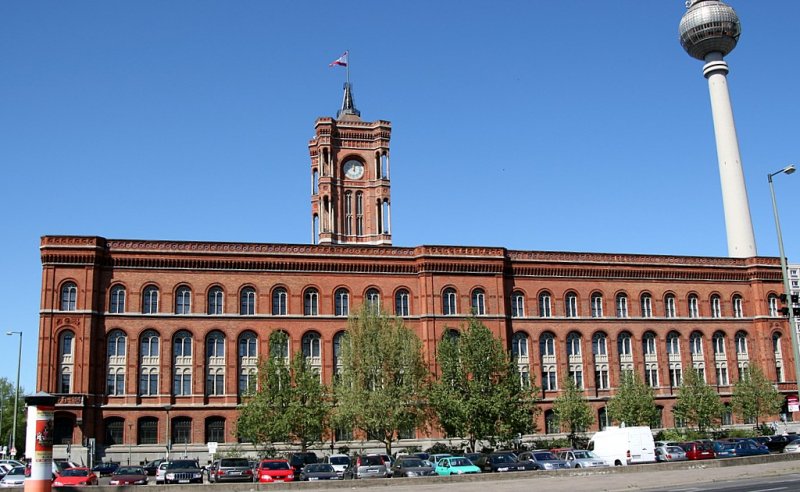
(347, 67)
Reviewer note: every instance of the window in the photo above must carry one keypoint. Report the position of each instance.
(549, 381)
(114, 431)
(741, 343)
(673, 344)
(69, 296)
(647, 306)
(716, 307)
(149, 363)
(182, 363)
(115, 379)
(624, 344)
(337, 353)
(183, 300)
(738, 309)
(181, 430)
(675, 375)
(147, 430)
(312, 348)
(651, 375)
(66, 348)
(545, 308)
(649, 344)
(279, 345)
(279, 301)
(722, 375)
(150, 300)
(601, 377)
(341, 301)
(571, 305)
(599, 345)
(373, 299)
(449, 301)
(696, 344)
(573, 345)
(776, 344)
(215, 364)
(597, 305)
(215, 429)
(772, 300)
(359, 213)
(719, 344)
(401, 303)
(519, 345)
(247, 301)
(311, 302)
(547, 345)
(215, 300)
(248, 363)
(517, 304)
(622, 306)
(669, 306)
(694, 309)
(117, 299)
(576, 374)
(550, 423)
(478, 302)
(348, 213)
(603, 419)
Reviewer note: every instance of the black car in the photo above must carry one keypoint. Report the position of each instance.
(298, 460)
(183, 471)
(411, 466)
(151, 467)
(776, 443)
(107, 468)
(318, 471)
(502, 462)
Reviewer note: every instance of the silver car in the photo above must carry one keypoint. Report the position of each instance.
(581, 458)
(14, 478)
(670, 453)
(792, 447)
(161, 472)
(543, 460)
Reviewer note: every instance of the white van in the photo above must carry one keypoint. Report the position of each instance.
(622, 446)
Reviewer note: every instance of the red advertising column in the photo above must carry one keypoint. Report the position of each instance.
(41, 479)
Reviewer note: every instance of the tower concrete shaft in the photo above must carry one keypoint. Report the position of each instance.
(738, 224)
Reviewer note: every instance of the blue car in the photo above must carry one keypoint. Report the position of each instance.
(749, 448)
(724, 449)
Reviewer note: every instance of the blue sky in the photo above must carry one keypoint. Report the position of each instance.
(541, 125)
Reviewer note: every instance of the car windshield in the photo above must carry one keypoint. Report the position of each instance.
(544, 456)
(371, 461)
(130, 470)
(412, 463)
(340, 460)
(319, 468)
(275, 465)
(182, 464)
(17, 470)
(503, 458)
(583, 455)
(674, 449)
(75, 472)
(460, 462)
(234, 462)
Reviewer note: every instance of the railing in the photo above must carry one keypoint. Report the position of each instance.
(651, 358)
(720, 357)
(674, 357)
(626, 358)
(601, 359)
(548, 359)
(575, 359)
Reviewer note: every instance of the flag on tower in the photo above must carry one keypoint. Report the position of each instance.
(341, 61)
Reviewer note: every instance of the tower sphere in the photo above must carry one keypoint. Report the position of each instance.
(709, 26)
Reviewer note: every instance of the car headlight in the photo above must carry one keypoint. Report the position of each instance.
(58, 483)
(198, 475)
(290, 476)
(113, 482)
(411, 474)
(170, 476)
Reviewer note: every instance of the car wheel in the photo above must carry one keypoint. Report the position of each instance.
(618, 463)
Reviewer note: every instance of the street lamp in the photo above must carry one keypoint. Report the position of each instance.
(130, 435)
(16, 394)
(792, 323)
(169, 442)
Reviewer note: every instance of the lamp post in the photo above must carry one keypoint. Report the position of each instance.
(130, 435)
(16, 394)
(786, 287)
(169, 442)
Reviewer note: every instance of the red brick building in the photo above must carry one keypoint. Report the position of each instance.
(134, 334)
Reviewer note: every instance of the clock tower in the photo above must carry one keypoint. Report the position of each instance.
(350, 202)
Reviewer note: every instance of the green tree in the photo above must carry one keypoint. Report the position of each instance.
(383, 378)
(754, 396)
(698, 404)
(634, 402)
(7, 392)
(478, 395)
(572, 410)
(309, 406)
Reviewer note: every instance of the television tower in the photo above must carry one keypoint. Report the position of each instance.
(708, 31)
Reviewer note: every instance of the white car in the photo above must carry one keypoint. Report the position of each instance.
(161, 472)
(792, 447)
(14, 478)
(340, 463)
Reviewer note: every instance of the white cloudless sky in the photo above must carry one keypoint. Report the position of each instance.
(538, 125)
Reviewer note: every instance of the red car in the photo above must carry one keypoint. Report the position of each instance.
(75, 477)
(275, 471)
(698, 450)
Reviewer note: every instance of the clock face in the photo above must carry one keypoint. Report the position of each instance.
(353, 169)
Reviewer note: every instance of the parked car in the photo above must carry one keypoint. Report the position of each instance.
(183, 471)
(129, 475)
(670, 453)
(104, 469)
(724, 449)
(544, 460)
(230, 470)
(749, 448)
(14, 478)
(473, 457)
(581, 458)
(275, 471)
(151, 466)
(298, 460)
(502, 462)
(340, 463)
(75, 477)
(368, 466)
(777, 443)
(696, 450)
(318, 471)
(409, 466)
(622, 446)
(161, 471)
(455, 465)
(792, 446)
(434, 458)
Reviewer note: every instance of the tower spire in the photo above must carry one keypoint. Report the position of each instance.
(348, 105)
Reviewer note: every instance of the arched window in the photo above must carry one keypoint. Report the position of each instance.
(117, 299)
(622, 306)
(741, 343)
(348, 213)
(66, 349)
(673, 344)
(312, 348)
(69, 296)
(248, 363)
(599, 344)
(478, 302)
(772, 301)
(147, 430)
(517, 304)
(279, 301)
(373, 300)
(550, 423)
(215, 364)
(519, 345)
(181, 430)
(215, 300)
(776, 344)
(696, 344)
(602, 419)
(545, 305)
(647, 306)
(114, 431)
(341, 301)
(719, 343)
(738, 308)
(311, 302)
(778, 353)
(547, 351)
(716, 306)
(279, 345)
(149, 363)
(624, 344)
(247, 301)
(182, 363)
(401, 303)
(649, 344)
(571, 305)
(547, 345)
(215, 429)
(449, 302)
(150, 300)
(359, 214)
(183, 300)
(337, 353)
(694, 308)
(597, 305)
(574, 345)
(115, 378)
(669, 306)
